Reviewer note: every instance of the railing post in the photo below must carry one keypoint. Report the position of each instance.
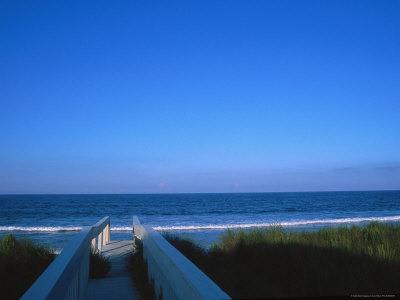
(108, 232)
(94, 244)
(100, 241)
(105, 235)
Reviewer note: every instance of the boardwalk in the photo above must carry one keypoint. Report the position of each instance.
(174, 276)
(117, 285)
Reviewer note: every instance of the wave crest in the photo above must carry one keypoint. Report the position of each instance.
(283, 224)
(210, 226)
(55, 229)
(39, 228)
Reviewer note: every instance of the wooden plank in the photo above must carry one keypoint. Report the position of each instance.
(117, 284)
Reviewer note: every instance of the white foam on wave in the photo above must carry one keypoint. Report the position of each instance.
(123, 228)
(210, 226)
(284, 224)
(54, 229)
(39, 228)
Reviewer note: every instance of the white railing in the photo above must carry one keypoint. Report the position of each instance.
(68, 275)
(174, 276)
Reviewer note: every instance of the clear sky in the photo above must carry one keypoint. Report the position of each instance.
(199, 96)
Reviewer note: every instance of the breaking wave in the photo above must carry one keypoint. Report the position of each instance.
(284, 224)
(212, 226)
(54, 229)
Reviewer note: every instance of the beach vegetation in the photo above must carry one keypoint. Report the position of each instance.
(275, 262)
(21, 263)
(99, 265)
(137, 268)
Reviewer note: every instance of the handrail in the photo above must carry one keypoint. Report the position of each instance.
(174, 276)
(102, 231)
(68, 275)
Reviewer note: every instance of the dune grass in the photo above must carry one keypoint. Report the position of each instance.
(137, 268)
(21, 263)
(99, 265)
(274, 262)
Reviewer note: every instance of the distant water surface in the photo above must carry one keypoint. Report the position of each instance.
(54, 219)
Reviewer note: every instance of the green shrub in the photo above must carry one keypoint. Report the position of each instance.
(186, 246)
(99, 265)
(137, 267)
(274, 262)
(21, 263)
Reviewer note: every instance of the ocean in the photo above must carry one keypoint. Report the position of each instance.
(53, 220)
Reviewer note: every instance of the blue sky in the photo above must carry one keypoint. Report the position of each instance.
(199, 96)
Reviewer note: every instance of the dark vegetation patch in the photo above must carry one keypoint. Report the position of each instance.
(274, 262)
(21, 263)
(99, 265)
(137, 268)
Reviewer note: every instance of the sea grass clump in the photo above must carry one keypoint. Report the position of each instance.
(99, 265)
(137, 267)
(21, 263)
(275, 262)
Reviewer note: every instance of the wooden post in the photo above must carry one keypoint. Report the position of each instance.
(94, 244)
(100, 241)
(105, 236)
(108, 232)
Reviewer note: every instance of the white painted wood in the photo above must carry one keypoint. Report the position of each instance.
(106, 235)
(100, 241)
(174, 275)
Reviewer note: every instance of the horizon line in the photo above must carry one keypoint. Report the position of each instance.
(191, 193)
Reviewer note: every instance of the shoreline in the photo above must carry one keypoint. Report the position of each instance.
(206, 237)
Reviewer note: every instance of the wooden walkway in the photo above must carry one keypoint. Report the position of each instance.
(118, 284)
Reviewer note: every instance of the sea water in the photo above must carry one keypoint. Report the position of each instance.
(53, 220)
